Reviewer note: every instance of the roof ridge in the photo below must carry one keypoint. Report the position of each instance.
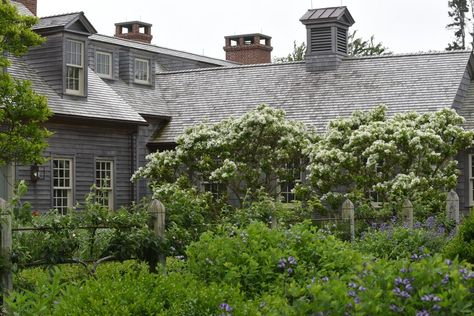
(441, 52)
(302, 62)
(62, 14)
(161, 47)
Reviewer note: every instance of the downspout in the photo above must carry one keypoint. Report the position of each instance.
(133, 152)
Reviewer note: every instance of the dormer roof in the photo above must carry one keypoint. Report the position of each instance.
(328, 15)
(73, 22)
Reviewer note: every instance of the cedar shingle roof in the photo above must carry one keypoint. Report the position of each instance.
(102, 102)
(411, 82)
(160, 50)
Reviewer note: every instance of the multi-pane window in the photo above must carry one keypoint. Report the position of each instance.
(288, 185)
(74, 67)
(62, 184)
(103, 64)
(104, 179)
(215, 188)
(142, 71)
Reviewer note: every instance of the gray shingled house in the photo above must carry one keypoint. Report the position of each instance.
(114, 99)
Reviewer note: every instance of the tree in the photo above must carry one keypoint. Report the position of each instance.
(458, 8)
(248, 155)
(409, 155)
(360, 47)
(356, 47)
(22, 111)
(298, 54)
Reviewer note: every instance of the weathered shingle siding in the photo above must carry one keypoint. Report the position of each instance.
(111, 49)
(463, 90)
(463, 180)
(84, 144)
(47, 60)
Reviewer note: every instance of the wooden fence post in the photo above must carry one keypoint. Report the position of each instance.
(452, 207)
(273, 219)
(6, 247)
(348, 214)
(158, 212)
(407, 213)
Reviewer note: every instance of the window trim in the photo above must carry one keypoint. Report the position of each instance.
(80, 67)
(70, 188)
(110, 56)
(284, 194)
(147, 71)
(217, 189)
(111, 189)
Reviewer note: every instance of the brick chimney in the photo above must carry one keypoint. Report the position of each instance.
(327, 38)
(31, 5)
(134, 30)
(248, 49)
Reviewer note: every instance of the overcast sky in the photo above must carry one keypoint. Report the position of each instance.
(199, 26)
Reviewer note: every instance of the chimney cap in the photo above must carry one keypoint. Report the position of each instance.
(328, 15)
(140, 23)
(262, 36)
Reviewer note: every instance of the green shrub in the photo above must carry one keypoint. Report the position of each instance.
(462, 245)
(400, 242)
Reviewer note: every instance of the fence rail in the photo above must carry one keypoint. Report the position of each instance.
(156, 210)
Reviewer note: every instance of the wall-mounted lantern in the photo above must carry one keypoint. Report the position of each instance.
(35, 173)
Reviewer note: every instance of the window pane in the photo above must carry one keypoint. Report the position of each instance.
(141, 70)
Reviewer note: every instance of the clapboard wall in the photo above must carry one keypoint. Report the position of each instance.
(84, 143)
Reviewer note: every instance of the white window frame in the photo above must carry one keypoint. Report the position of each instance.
(286, 194)
(110, 63)
(217, 189)
(99, 181)
(60, 189)
(471, 179)
(75, 66)
(138, 68)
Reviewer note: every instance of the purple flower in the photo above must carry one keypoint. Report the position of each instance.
(436, 307)
(445, 279)
(430, 298)
(352, 293)
(395, 308)
(441, 230)
(325, 279)
(448, 262)
(292, 261)
(282, 263)
(362, 289)
(356, 300)
(422, 313)
(417, 225)
(352, 285)
(430, 222)
(400, 293)
(290, 271)
(225, 307)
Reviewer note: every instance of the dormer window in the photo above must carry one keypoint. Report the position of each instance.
(103, 64)
(142, 71)
(74, 67)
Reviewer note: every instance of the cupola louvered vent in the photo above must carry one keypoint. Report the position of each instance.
(342, 40)
(321, 39)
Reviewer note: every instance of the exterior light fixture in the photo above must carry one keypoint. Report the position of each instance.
(35, 173)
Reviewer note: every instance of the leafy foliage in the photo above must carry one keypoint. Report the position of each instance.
(258, 271)
(247, 155)
(409, 155)
(458, 8)
(462, 245)
(298, 53)
(22, 111)
(359, 47)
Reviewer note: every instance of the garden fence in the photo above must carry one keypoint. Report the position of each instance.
(156, 210)
(407, 216)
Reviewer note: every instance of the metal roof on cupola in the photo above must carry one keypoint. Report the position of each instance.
(328, 15)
